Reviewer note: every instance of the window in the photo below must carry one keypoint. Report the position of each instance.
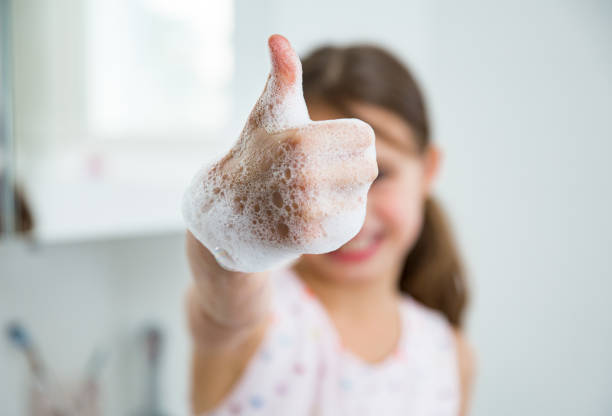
(117, 104)
(158, 69)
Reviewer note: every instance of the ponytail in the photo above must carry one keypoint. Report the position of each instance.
(432, 272)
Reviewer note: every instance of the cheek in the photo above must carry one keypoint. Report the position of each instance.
(398, 206)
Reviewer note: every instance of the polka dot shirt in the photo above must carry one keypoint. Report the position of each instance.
(300, 368)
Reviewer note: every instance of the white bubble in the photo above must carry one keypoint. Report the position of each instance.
(269, 201)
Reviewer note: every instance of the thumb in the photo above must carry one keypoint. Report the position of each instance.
(286, 66)
(281, 106)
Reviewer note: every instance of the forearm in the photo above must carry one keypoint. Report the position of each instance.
(223, 304)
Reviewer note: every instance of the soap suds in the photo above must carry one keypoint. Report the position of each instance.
(289, 186)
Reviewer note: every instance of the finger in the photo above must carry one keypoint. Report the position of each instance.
(281, 105)
(343, 177)
(286, 66)
(337, 139)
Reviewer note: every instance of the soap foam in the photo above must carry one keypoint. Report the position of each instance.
(289, 186)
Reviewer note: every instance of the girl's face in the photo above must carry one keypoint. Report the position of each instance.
(395, 201)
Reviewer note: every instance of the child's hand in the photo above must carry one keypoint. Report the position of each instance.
(289, 186)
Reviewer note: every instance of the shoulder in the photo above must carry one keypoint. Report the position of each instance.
(431, 334)
(435, 322)
(448, 341)
(427, 320)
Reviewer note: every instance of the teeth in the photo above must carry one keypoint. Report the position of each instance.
(357, 245)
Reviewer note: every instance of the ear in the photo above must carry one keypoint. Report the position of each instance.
(432, 158)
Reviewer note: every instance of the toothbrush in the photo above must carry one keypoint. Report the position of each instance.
(153, 342)
(20, 337)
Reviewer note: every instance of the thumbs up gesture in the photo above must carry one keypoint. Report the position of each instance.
(289, 185)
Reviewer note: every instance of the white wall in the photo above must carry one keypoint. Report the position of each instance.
(522, 93)
(521, 98)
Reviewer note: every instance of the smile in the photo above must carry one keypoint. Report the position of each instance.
(358, 249)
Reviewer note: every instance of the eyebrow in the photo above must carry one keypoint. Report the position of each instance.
(405, 144)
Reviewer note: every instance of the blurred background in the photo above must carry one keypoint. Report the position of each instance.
(109, 107)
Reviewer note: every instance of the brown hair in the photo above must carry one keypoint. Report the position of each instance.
(23, 216)
(432, 272)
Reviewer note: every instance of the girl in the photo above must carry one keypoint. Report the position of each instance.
(374, 326)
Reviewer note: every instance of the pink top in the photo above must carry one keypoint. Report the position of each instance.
(300, 367)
